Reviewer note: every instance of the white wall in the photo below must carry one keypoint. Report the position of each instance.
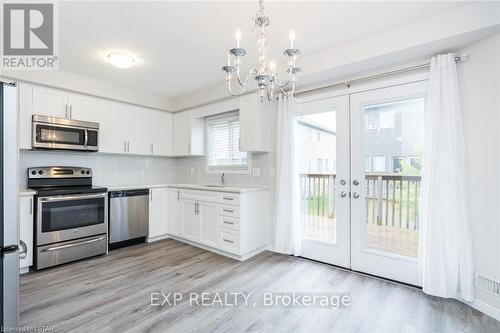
(107, 169)
(480, 90)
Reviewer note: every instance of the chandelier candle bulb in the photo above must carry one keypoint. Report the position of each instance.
(237, 35)
(291, 36)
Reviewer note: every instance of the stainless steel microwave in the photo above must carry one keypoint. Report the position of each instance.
(62, 133)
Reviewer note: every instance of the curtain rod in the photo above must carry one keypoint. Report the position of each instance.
(347, 83)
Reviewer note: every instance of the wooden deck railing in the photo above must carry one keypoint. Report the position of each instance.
(391, 199)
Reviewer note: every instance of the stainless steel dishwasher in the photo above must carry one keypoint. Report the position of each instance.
(128, 217)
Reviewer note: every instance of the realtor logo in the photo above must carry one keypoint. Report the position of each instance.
(29, 36)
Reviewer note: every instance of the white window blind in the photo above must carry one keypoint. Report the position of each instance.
(223, 148)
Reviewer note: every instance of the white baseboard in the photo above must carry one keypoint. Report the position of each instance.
(157, 238)
(485, 308)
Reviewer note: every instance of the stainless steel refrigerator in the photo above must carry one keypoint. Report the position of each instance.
(9, 228)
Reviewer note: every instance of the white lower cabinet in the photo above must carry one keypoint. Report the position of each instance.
(208, 216)
(158, 212)
(25, 233)
(190, 220)
(232, 223)
(174, 212)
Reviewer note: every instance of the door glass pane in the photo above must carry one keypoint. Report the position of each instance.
(394, 141)
(61, 215)
(316, 158)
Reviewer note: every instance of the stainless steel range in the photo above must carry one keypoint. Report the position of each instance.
(71, 215)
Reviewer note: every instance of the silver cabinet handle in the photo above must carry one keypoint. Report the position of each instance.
(66, 111)
(228, 198)
(151, 195)
(128, 146)
(228, 210)
(125, 146)
(50, 249)
(70, 111)
(355, 195)
(178, 195)
(227, 240)
(23, 252)
(343, 194)
(227, 222)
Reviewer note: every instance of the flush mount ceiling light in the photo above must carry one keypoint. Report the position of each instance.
(121, 60)
(265, 74)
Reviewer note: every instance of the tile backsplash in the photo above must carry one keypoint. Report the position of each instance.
(109, 169)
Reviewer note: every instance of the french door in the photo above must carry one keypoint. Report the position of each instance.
(360, 209)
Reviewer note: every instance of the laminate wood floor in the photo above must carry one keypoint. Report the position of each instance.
(113, 294)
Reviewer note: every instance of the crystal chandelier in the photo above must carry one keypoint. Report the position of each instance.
(265, 74)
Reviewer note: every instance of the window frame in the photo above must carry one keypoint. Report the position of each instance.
(246, 171)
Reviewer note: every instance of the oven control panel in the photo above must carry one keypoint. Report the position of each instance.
(59, 172)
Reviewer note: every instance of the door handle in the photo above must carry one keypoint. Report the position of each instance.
(343, 182)
(355, 182)
(50, 249)
(355, 195)
(343, 194)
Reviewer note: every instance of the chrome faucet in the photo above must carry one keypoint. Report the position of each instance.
(222, 181)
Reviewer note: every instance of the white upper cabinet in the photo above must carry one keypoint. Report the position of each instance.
(257, 124)
(160, 133)
(189, 135)
(83, 108)
(109, 115)
(136, 128)
(50, 102)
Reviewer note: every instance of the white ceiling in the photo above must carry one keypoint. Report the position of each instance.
(181, 45)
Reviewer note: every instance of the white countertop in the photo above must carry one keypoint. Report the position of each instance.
(26, 192)
(227, 188)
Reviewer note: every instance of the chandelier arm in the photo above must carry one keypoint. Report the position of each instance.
(250, 73)
(235, 93)
(286, 83)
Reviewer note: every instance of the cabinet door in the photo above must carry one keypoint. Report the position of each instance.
(25, 113)
(208, 224)
(160, 131)
(175, 212)
(190, 221)
(26, 230)
(83, 108)
(182, 133)
(158, 212)
(111, 133)
(136, 126)
(50, 102)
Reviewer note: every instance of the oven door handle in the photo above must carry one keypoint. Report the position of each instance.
(73, 197)
(55, 248)
(86, 138)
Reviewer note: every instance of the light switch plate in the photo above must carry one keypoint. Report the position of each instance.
(256, 172)
(191, 171)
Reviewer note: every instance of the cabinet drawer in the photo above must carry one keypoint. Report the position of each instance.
(229, 211)
(229, 198)
(229, 222)
(198, 195)
(229, 240)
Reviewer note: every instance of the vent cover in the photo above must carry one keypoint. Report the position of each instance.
(488, 284)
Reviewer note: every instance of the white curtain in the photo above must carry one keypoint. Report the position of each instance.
(287, 234)
(446, 263)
